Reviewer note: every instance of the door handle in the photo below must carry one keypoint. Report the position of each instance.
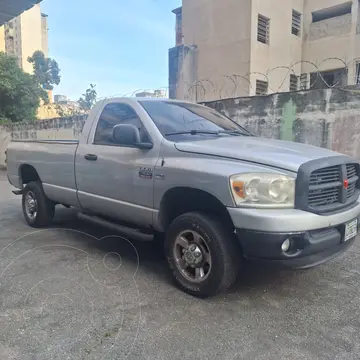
(90, 157)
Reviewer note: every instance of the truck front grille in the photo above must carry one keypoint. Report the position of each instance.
(351, 174)
(324, 187)
(333, 187)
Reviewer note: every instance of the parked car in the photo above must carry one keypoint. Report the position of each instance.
(217, 193)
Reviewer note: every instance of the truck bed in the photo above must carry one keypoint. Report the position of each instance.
(53, 161)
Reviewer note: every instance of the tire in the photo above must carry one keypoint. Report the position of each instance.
(224, 257)
(44, 208)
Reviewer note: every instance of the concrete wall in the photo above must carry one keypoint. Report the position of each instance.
(229, 59)
(283, 50)
(44, 35)
(182, 72)
(54, 129)
(220, 31)
(331, 43)
(328, 118)
(5, 138)
(2, 38)
(31, 35)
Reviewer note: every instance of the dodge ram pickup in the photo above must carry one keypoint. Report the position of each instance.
(215, 194)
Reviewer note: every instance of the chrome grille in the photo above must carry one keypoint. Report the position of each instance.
(327, 190)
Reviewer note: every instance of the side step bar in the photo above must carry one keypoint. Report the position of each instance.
(126, 232)
(17, 192)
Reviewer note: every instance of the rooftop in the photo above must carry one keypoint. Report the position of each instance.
(12, 8)
(177, 10)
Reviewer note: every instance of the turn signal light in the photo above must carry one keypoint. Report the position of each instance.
(239, 188)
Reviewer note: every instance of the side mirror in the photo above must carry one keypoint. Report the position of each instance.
(129, 135)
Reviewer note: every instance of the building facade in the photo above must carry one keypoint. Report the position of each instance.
(231, 48)
(152, 94)
(26, 34)
(60, 99)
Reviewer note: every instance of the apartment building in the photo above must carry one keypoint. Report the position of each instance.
(25, 34)
(227, 48)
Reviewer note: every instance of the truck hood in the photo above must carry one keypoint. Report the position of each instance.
(277, 153)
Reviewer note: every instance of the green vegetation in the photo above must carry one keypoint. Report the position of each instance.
(88, 100)
(20, 93)
(46, 70)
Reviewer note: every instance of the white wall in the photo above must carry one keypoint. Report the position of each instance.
(283, 50)
(31, 35)
(220, 29)
(5, 138)
(54, 129)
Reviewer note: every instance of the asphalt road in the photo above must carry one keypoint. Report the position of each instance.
(76, 292)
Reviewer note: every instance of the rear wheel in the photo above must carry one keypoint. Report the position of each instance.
(37, 208)
(202, 254)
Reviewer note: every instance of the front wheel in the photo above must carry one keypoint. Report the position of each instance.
(202, 254)
(37, 208)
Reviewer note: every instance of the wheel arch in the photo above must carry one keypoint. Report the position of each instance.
(28, 173)
(182, 199)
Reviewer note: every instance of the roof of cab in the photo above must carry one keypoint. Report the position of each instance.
(142, 99)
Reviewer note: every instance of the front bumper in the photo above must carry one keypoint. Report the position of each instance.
(315, 238)
(289, 220)
(309, 248)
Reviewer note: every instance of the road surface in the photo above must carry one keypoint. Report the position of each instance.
(76, 291)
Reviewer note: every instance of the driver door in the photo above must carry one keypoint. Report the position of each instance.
(108, 173)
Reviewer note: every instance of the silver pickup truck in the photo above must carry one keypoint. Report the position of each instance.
(218, 194)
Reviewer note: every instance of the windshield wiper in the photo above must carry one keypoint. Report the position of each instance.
(211, 132)
(194, 132)
(234, 132)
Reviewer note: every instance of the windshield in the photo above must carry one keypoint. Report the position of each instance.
(194, 122)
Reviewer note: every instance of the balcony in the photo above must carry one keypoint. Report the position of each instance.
(9, 32)
(332, 21)
(336, 26)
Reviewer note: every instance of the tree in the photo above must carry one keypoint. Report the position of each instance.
(20, 93)
(88, 100)
(46, 70)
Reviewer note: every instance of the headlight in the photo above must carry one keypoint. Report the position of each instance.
(263, 190)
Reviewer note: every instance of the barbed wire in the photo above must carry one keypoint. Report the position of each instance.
(308, 75)
(242, 85)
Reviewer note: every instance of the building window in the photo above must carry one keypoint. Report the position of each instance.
(263, 29)
(357, 74)
(331, 12)
(303, 81)
(261, 87)
(327, 79)
(296, 23)
(293, 82)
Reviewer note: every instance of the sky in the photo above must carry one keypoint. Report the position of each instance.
(119, 45)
